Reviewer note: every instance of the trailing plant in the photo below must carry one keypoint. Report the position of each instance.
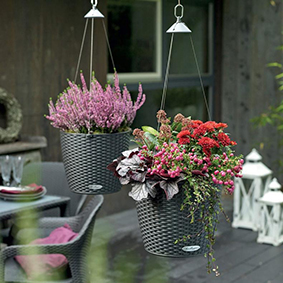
(98, 110)
(190, 152)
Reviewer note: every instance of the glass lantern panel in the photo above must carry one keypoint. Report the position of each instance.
(247, 183)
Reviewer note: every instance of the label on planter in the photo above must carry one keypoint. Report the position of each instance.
(95, 187)
(190, 248)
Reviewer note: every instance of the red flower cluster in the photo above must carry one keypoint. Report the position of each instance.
(184, 137)
(221, 125)
(208, 127)
(195, 123)
(208, 135)
(223, 139)
(207, 144)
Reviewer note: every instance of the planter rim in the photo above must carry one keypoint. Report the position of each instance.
(100, 134)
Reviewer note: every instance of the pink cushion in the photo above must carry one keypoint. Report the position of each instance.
(35, 265)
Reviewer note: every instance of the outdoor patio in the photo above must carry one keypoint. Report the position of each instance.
(198, 66)
(117, 255)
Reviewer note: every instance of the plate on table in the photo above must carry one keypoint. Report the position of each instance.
(25, 193)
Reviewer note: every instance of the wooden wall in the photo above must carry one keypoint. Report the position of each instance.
(251, 33)
(40, 43)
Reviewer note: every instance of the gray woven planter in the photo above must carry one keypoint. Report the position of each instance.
(86, 157)
(162, 223)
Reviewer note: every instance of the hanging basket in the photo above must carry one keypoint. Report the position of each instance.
(162, 223)
(86, 157)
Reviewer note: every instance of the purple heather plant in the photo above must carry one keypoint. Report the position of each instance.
(80, 110)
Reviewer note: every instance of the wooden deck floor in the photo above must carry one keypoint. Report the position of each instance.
(117, 255)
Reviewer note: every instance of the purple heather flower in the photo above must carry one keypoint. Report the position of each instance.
(108, 110)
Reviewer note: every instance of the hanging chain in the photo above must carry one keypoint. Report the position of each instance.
(95, 4)
(201, 82)
(182, 12)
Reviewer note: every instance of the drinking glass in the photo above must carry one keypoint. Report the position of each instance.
(18, 164)
(6, 167)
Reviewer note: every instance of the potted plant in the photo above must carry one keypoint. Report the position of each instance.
(177, 174)
(95, 128)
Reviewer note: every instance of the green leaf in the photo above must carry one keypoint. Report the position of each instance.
(274, 64)
(280, 108)
(140, 144)
(150, 140)
(268, 120)
(150, 130)
(177, 127)
(279, 76)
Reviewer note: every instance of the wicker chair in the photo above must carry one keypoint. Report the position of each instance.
(52, 176)
(75, 250)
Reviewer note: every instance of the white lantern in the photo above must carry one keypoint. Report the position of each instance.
(254, 183)
(271, 220)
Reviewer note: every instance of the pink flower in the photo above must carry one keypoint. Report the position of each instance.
(78, 109)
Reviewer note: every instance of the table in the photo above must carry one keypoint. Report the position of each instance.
(10, 209)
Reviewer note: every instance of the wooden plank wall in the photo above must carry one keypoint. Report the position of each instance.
(251, 32)
(39, 46)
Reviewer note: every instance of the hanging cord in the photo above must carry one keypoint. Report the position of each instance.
(165, 87)
(91, 52)
(108, 44)
(201, 82)
(91, 47)
(81, 50)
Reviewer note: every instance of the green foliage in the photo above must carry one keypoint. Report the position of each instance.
(150, 130)
(150, 140)
(274, 114)
(212, 196)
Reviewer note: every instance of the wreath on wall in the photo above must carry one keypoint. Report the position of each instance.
(13, 116)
